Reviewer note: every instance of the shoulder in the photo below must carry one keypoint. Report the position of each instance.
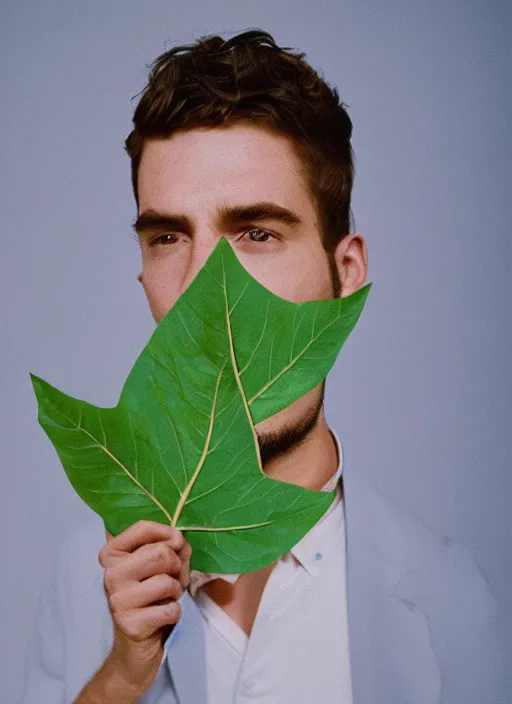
(398, 539)
(421, 560)
(418, 548)
(441, 578)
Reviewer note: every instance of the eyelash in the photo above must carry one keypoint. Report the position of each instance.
(168, 234)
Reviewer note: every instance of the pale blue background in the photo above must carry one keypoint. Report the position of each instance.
(421, 393)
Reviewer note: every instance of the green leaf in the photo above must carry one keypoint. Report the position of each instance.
(282, 349)
(180, 446)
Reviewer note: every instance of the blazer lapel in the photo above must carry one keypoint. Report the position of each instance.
(389, 644)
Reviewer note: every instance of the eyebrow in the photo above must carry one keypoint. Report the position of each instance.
(228, 216)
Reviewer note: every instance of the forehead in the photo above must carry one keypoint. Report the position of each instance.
(236, 161)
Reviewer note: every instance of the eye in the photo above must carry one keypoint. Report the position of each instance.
(163, 239)
(265, 234)
(158, 240)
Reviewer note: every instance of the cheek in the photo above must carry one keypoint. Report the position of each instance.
(161, 295)
(296, 279)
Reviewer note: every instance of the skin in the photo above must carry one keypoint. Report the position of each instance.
(194, 172)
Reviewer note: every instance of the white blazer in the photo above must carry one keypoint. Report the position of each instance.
(422, 619)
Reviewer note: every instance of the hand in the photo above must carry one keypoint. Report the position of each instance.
(147, 567)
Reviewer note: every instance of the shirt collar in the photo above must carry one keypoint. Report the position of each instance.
(310, 550)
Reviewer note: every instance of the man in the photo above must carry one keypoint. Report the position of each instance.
(242, 139)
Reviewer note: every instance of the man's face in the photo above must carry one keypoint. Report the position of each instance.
(188, 177)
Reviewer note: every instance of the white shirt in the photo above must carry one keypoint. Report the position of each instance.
(297, 651)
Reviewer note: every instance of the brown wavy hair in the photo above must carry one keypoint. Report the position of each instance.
(248, 77)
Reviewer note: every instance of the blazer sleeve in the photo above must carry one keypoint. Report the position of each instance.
(44, 664)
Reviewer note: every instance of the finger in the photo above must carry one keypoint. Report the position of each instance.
(144, 532)
(159, 588)
(149, 560)
(137, 535)
(140, 624)
(185, 554)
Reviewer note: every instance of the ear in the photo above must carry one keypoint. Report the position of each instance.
(351, 259)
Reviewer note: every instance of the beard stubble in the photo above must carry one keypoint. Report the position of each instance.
(276, 443)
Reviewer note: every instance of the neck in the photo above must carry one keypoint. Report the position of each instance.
(309, 464)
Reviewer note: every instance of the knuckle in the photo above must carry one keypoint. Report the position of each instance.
(109, 580)
(101, 556)
(122, 623)
(165, 557)
(130, 628)
(115, 602)
(159, 554)
(178, 539)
